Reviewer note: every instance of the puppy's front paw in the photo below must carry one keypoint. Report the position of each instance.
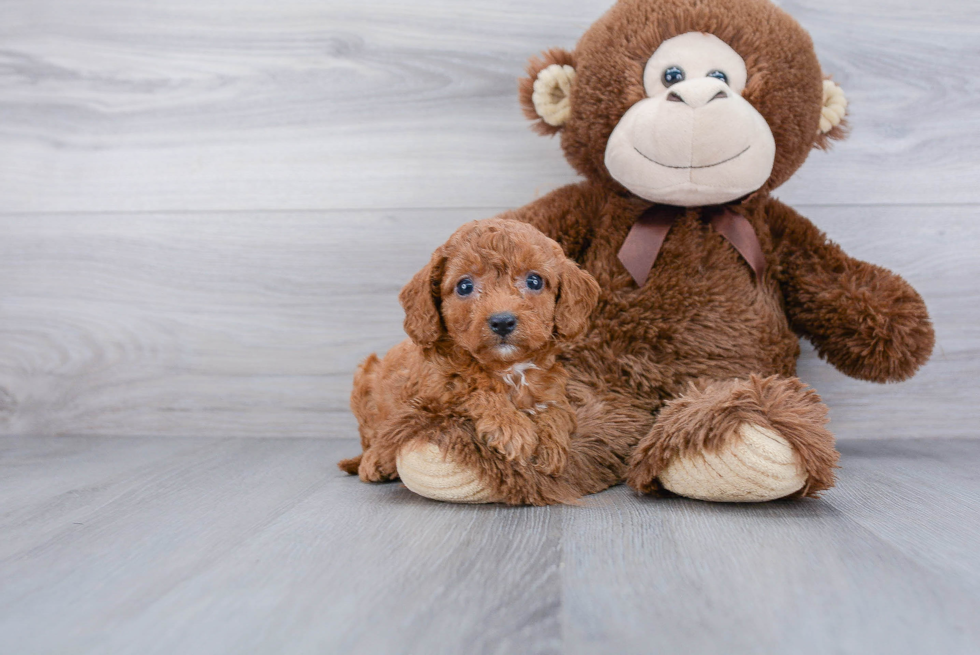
(554, 428)
(513, 440)
(374, 468)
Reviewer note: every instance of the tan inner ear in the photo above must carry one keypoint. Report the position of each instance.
(834, 107)
(552, 89)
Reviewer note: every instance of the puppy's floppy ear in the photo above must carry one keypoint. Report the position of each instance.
(546, 91)
(421, 298)
(578, 293)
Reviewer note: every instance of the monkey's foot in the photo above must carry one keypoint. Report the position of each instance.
(738, 441)
(755, 465)
(459, 469)
(429, 472)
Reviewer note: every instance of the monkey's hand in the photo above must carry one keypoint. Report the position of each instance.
(865, 320)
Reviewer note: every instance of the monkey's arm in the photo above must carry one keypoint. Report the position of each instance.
(566, 215)
(865, 320)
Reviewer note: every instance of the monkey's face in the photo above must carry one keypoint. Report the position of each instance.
(693, 140)
(687, 102)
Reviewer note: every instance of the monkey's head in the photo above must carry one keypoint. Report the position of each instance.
(687, 102)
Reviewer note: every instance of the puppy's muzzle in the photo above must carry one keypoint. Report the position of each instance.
(502, 323)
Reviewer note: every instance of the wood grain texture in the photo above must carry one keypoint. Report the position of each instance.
(113, 105)
(147, 545)
(919, 496)
(251, 324)
(260, 546)
(782, 577)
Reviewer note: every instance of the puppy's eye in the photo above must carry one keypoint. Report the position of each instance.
(718, 75)
(464, 287)
(534, 282)
(673, 75)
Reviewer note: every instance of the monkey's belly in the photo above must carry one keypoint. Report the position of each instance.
(652, 350)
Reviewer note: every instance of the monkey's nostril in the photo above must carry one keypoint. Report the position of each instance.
(674, 97)
(721, 95)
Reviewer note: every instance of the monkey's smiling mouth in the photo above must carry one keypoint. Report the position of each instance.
(718, 163)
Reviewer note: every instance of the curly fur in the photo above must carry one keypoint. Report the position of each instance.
(503, 395)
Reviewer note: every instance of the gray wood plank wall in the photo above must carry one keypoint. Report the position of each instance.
(207, 208)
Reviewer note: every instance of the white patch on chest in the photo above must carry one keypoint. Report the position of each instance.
(540, 407)
(519, 369)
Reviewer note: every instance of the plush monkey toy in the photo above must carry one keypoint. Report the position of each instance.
(683, 116)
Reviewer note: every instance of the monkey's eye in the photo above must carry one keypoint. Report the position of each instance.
(718, 75)
(673, 75)
(534, 282)
(464, 287)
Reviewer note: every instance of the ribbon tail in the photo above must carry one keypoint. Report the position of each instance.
(739, 232)
(642, 245)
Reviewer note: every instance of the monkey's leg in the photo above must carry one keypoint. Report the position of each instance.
(453, 465)
(738, 441)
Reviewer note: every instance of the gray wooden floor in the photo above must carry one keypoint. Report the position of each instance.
(207, 208)
(169, 545)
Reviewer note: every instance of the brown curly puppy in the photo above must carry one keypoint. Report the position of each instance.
(486, 317)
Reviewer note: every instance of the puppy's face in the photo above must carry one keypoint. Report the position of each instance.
(500, 307)
(501, 290)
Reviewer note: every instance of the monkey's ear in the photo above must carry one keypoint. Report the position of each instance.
(832, 123)
(546, 91)
(421, 298)
(578, 293)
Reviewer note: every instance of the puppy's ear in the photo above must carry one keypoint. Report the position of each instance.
(421, 298)
(578, 293)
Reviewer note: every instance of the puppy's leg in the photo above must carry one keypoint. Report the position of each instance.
(363, 398)
(350, 466)
(364, 405)
(609, 426)
(506, 430)
(451, 463)
(554, 425)
(376, 464)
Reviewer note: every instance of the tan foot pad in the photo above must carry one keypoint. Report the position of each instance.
(425, 470)
(756, 465)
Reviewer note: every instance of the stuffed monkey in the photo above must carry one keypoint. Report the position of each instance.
(683, 116)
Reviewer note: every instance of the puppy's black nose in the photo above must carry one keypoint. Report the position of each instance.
(503, 323)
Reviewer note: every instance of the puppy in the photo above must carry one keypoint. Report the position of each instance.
(486, 320)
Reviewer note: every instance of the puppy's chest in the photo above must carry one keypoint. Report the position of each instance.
(529, 388)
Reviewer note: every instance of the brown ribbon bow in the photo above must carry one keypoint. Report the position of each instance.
(642, 244)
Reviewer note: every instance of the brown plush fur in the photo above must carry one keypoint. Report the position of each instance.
(526, 86)
(785, 80)
(674, 365)
(505, 395)
(701, 419)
